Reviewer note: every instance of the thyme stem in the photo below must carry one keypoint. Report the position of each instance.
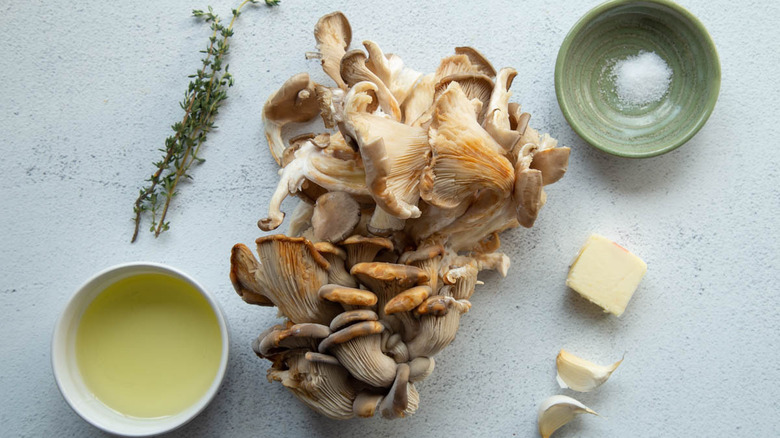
(201, 103)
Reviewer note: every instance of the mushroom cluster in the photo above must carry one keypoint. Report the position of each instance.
(401, 206)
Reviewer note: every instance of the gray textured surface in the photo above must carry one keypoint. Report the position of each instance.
(90, 90)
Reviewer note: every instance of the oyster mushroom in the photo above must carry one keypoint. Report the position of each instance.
(465, 157)
(402, 399)
(529, 196)
(298, 336)
(316, 165)
(335, 216)
(439, 321)
(337, 273)
(358, 349)
(474, 86)
(323, 386)
(454, 64)
(363, 249)
(354, 71)
(333, 34)
(552, 163)
(394, 156)
(419, 99)
(244, 270)
(427, 257)
(400, 307)
(437, 165)
(391, 70)
(294, 102)
(387, 280)
(407, 300)
(290, 273)
(497, 121)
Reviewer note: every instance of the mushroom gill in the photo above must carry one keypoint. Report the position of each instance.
(403, 197)
(465, 158)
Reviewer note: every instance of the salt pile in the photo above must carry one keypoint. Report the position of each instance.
(641, 79)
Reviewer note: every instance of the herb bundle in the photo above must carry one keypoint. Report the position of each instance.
(205, 93)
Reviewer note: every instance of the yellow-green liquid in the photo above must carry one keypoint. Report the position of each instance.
(149, 346)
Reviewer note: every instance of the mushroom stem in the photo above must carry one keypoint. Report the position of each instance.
(437, 332)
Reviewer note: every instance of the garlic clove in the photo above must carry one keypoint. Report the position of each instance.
(581, 375)
(558, 410)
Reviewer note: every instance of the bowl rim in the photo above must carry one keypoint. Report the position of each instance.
(73, 309)
(590, 16)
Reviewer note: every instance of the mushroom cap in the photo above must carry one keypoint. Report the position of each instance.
(419, 99)
(474, 85)
(454, 64)
(465, 157)
(333, 34)
(243, 267)
(477, 59)
(518, 120)
(335, 216)
(420, 368)
(424, 252)
(294, 102)
(380, 242)
(347, 295)
(353, 71)
(529, 196)
(311, 356)
(552, 163)
(327, 248)
(407, 300)
(437, 305)
(316, 257)
(405, 275)
(351, 316)
(394, 155)
(390, 69)
(297, 336)
(364, 328)
(366, 404)
(497, 121)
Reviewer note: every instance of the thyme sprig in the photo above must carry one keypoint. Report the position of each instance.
(205, 93)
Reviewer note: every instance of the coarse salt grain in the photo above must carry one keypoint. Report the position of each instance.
(641, 79)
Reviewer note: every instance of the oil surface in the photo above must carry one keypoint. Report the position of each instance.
(149, 346)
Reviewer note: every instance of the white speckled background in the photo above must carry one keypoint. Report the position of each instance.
(90, 89)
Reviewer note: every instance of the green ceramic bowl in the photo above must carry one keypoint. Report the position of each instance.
(620, 29)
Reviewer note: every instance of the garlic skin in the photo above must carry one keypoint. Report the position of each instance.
(558, 410)
(581, 375)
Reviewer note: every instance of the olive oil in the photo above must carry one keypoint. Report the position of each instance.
(149, 346)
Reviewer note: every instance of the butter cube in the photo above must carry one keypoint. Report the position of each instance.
(606, 274)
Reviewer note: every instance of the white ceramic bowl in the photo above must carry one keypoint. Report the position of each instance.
(68, 376)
